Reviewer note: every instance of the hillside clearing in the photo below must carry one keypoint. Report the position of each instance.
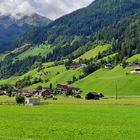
(105, 81)
(134, 58)
(94, 52)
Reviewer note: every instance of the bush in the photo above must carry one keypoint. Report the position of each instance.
(2, 93)
(48, 97)
(78, 96)
(20, 99)
(81, 77)
(54, 98)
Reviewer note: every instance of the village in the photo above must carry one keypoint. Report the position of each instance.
(33, 96)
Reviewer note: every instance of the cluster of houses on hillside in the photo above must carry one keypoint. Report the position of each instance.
(134, 65)
(44, 92)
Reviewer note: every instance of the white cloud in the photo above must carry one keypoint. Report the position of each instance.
(49, 8)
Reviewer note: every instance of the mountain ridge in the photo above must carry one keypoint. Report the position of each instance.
(12, 27)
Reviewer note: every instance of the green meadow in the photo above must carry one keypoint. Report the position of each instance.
(134, 58)
(105, 81)
(94, 52)
(41, 50)
(71, 119)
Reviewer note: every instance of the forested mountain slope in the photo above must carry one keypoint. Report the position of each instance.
(11, 27)
(125, 36)
(114, 22)
(84, 22)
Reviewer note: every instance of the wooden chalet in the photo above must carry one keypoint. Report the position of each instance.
(94, 96)
(44, 92)
(63, 89)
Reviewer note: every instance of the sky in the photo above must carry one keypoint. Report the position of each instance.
(49, 8)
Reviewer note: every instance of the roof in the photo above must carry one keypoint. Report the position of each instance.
(94, 93)
(137, 68)
(47, 89)
(63, 86)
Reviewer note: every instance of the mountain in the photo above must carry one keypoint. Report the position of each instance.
(87, 21)
(84, 22)
(124, 36)
(109, 21)
(34, 20)
(11, 27)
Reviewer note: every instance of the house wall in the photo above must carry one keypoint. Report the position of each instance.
(32, 101)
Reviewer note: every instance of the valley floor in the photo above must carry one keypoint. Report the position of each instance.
(71, 119)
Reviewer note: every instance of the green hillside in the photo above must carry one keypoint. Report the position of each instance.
(41, 50)
(94, 52)
(105, 81)
(55, 78)
(134, 58)
(106, 58)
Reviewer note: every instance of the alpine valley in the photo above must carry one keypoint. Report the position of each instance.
(95, 48)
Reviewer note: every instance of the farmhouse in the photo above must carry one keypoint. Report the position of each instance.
(63, 89)
(136, 70)
(136, 64)
(44, 92)
(26, 92)
(84, 65)
(94, 96)
(108, 66)
(32, 101)
(76, 90)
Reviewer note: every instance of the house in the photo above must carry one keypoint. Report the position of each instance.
(136, 70)
(44, 92)
(108, 66)
(32, 101)
(76, 90)
(63, 89)
(92, 96)
(28, 93)
(84, 65)
(136, 64)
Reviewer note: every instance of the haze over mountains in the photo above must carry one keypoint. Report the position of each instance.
(11, 27)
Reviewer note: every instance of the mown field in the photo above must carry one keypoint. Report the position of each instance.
(94, 52)
(106, 119)
(105, 81)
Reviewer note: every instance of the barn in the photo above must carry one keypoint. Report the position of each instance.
(32, 101)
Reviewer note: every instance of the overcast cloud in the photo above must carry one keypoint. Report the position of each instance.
(49, 8)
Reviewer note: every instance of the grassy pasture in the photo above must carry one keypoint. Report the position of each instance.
(134, 58)
(42, 50)
(105, 81)
(105, 119)
(94, 52)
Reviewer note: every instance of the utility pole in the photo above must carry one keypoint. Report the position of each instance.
(116, 89)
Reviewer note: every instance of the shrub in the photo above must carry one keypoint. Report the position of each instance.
(20, 99)
(48, 97)
(39, 88)
(2, 93)
(54, 98)
(77, 96)
(81, 77)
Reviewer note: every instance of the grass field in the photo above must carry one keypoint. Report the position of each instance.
(42, 50)
(106, 58)
(134, 58)
(105, 81)
(106, 119)
(94, 52)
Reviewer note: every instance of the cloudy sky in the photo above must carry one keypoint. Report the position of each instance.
(49, 8)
